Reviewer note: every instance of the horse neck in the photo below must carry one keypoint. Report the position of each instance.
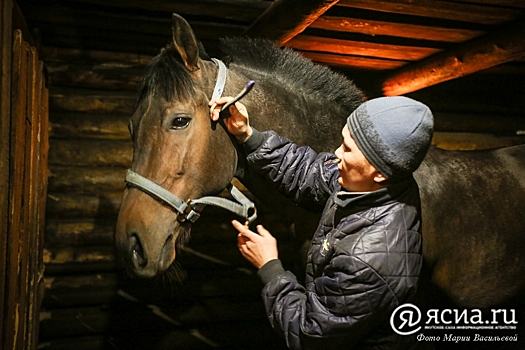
(286, 109)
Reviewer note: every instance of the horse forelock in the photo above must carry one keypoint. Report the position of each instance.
(167, 77)
(317, 81)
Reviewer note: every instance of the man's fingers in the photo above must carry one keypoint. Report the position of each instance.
(263, 232)
(243, 230)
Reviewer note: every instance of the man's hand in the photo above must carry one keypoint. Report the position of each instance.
(256, 248)
(238, 123)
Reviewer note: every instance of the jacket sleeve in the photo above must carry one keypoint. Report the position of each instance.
(297, 172)
(343, 306)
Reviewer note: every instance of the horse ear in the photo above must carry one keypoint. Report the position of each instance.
(185, 42)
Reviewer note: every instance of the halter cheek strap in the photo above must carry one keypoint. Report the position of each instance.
(190, 211)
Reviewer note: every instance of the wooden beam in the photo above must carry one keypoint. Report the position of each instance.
(502, 46)
(506, 3)
(437, 9)
(349, 61)
(284, 19)
(400, 30)
(358, 48)
(6, 37)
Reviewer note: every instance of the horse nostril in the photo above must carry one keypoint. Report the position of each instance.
(137, 251)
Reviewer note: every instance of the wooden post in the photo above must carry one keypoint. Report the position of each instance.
(284, 19)
(24, 175)
(6, 9)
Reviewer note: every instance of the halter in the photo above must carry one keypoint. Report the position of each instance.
(190, 210)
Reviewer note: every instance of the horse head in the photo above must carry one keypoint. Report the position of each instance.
(177, 147)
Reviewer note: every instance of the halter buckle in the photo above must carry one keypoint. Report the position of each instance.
(189, 214)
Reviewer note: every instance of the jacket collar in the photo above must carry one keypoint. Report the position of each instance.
(344, 198)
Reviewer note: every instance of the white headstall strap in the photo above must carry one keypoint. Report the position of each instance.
(190, 211)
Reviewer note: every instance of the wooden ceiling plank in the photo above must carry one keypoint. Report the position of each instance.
(402, 30)
(439, 9)
(349, 47)
(99, 39)
(490, 50)
(506, 3)
(285, 19)
(237, 10)
(352, 61)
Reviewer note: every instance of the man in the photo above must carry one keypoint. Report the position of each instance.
(365, 256)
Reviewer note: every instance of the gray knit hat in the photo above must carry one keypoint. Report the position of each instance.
(394, 134)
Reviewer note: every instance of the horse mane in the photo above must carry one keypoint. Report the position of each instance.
(167, 76)
(289, 68)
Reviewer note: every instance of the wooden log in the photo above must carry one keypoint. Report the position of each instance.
(349, 47)
(401, 30)
(284, 19)
(80, 232)
(88, 57)
(92, 180)
(94, 76)
(90, 153)
(495, 124)
(72, 205)
(469, 141)
(348, 61)
(6, 47)
(82, 290)
(492, 15)
(490, 50)
(91, 101)
(507, 3)
(91, 126)
(80, 259)
(102, 288)
(99, 39)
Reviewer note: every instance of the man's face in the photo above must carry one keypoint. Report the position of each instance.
(356, 174)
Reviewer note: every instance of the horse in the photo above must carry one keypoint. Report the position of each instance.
(473, 229)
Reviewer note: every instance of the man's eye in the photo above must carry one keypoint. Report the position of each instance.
(180, 123)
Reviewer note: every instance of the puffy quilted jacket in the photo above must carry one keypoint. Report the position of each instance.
(364, 261)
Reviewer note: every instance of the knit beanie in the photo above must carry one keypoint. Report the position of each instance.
(394, 134)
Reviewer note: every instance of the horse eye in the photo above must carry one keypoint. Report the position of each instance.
(180, 123)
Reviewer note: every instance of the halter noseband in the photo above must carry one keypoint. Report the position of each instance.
(190, 211)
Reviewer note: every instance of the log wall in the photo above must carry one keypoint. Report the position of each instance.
(23, 184)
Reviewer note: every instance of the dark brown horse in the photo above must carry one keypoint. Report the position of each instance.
(474, 229)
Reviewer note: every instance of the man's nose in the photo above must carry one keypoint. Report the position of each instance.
(338, 152)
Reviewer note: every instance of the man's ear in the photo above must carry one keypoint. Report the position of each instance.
(379, 178)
